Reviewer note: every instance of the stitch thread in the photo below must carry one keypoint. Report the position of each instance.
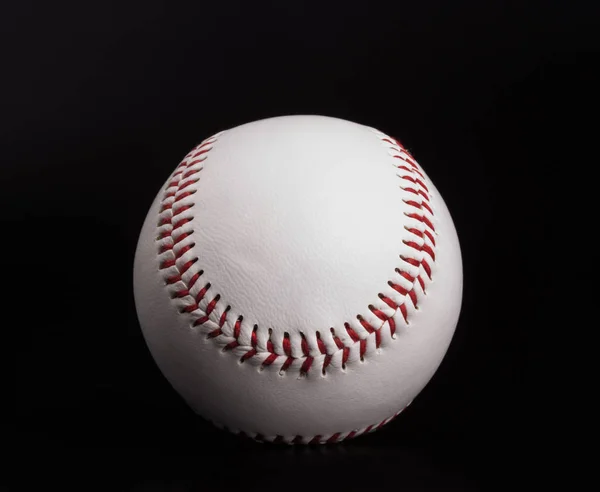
(311, 440)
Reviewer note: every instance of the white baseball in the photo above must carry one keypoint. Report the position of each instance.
(298, 279)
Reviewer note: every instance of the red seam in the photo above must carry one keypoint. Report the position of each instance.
(181, 222)
(270, 359)
(430, 236)
(288, 362)
(353, 335)
(392, 324)
(188, 183)
(427, 207)
(427, 268)
(184, 195)
(321, 345)
(411, 261)
(422, 185)
(334, 437)
(338, 342)
(345, 355)
(247, 355)
(304, 347)
(237, 327)
(306, 365)
(192, 281)
(389, 302)
(287, 346)
(182, 209)
(365, 324)
(231, 345)
(409, 169)
(197, 154)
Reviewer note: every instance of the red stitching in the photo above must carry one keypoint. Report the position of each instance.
(321, 344)
(212, 304)
(270, 359)
(173, 218)
(304, 346)
(188, 183)
(388, 301)
(287, 364)
(306, 365)
(237, 327)
(365, 324)
(337, 340)
(231, 345)
(180, 223)
(378, 335)
(182, 209)
(410, 170)
(404, 312)
(194, 279)
(422, 185)
(355, 338)
(345, 355)
(184, 250)
(423, 219)
(182, 237)
(173, 280)
(287, 345)
(184, 195)
(197, 154)
(430, 236)
(247, 355)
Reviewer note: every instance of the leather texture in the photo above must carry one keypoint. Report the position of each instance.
(298, 225)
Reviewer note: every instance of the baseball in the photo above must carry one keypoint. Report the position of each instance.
(298, 279)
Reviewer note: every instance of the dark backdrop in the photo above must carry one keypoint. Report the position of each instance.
(102, 100)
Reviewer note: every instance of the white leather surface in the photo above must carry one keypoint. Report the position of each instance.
(298, 225)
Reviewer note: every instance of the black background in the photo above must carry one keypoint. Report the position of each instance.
(102, 100)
